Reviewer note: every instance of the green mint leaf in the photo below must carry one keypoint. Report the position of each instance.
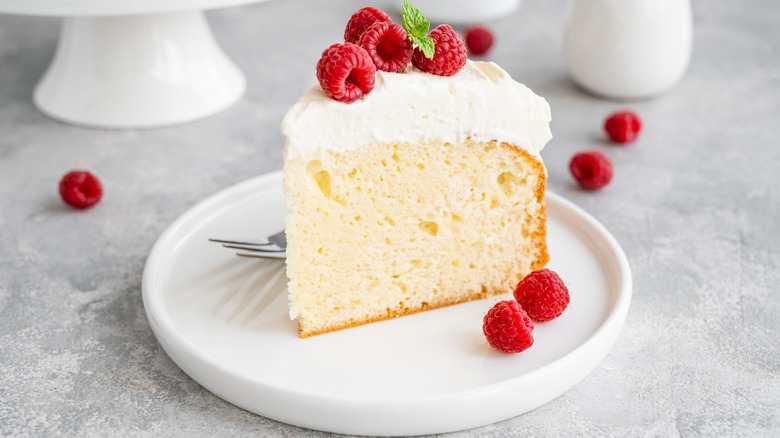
(413, 22)
(417, 26)
(426, 46)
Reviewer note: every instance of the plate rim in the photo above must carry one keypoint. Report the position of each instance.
(165, 329)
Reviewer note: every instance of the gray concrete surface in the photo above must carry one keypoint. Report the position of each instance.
(695, 204)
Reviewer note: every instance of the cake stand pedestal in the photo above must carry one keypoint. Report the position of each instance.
(139, 64)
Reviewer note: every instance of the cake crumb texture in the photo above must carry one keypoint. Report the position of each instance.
(392, 229)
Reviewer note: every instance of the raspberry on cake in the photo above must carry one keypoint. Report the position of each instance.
(426, 192)
(360, 21)
(449, 53)
(388, 46)
(346, 72)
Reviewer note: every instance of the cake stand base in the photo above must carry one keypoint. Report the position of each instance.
(139, 71)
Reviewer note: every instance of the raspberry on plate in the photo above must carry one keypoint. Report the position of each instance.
(591, 169)
(479, 40)
(508, 328)
(360, 21)
(542, 294)
(80, 189)
(346, 72)
(623, 126)
(449, 55)
(388, 46)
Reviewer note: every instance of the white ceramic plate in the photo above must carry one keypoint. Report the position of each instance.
(223, 320)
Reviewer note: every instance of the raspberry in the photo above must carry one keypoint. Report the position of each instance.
(80, 189)
(449, 56)
(388, 46)
(346, 72)
(479, 40)
(360, 21)
(623, 126)
(508, 328)
(591, 169)
(542, 294)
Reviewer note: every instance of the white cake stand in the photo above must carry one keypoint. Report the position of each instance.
(133, 64)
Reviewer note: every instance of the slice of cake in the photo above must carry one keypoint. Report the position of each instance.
(426, 192)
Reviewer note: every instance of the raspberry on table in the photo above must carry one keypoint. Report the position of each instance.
(623, 126)
(388, 46)
(346, 72)
(80, 189)
(542, 294)
(449, 56)
(360, 21)
(479, 40)
(591, 169)
(508, 328)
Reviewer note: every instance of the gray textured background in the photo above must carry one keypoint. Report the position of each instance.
(695, 204)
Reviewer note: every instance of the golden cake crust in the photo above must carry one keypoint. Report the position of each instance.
(398, 312)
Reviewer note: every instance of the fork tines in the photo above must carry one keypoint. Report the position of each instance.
(240, 242)
(272, 248)
(252, 248)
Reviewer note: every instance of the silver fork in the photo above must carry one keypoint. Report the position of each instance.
(273, 247)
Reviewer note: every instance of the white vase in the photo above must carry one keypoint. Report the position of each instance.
(465, 11)
(628, 49)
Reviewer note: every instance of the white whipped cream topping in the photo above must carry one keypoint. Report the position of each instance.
(481, 101)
